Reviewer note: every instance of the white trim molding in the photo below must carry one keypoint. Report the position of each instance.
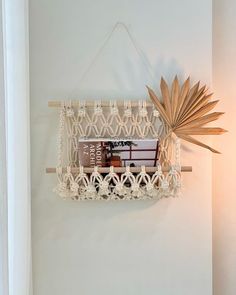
(3, 175)
(16, 77)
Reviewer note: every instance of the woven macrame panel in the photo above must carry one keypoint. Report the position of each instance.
(112, 122)
(112, 186)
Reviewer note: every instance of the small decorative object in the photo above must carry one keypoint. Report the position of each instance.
(104, 141)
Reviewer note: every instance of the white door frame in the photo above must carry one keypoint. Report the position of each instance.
(15, 36)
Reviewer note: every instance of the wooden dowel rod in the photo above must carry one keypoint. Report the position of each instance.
(90, 104)
(118, 169)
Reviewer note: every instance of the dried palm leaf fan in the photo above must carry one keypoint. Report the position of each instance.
(185, 112)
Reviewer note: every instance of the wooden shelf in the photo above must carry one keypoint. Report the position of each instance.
(90, 104)
(118, 169)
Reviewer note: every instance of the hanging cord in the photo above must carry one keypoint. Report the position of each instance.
(100, 50)
(60, 135)
(177, 153)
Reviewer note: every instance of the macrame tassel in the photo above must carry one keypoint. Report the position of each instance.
(143, 180)
(64, 186)
(172, 182)
(83, 181)
(61, 187)
(107, 189)
(176, 175)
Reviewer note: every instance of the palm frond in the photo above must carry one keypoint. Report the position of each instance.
(197, 142)
(166, 97)
(200, 121)
(186, 110)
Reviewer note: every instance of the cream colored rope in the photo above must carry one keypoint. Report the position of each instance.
(128, 122)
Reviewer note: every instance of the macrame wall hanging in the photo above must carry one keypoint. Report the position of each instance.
(179, 113)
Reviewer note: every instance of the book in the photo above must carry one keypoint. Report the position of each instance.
(117, 153)
(91, 153)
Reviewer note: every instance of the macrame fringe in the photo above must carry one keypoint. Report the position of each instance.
(126, 186)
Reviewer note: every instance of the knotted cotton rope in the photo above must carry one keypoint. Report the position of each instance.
(128, 122)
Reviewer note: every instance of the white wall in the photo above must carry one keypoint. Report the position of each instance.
(117, 248)
(224, 166)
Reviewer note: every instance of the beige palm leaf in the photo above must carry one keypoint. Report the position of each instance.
(185, 110)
